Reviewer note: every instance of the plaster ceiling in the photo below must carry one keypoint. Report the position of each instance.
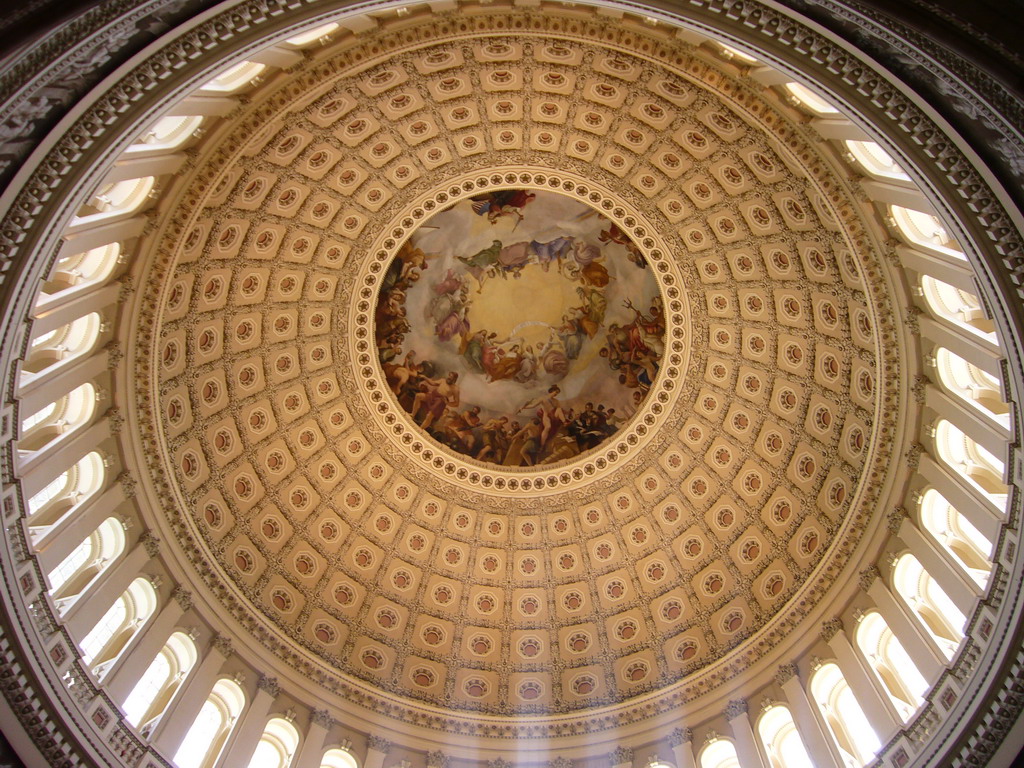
(717, 516)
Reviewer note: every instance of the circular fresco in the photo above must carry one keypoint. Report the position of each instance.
(520, 327)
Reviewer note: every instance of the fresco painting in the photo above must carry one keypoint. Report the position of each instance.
(520, 327)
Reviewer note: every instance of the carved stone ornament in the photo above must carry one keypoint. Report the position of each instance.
(115, 354)
(560, 762)
(321, 717)
(127, 484)
(378, 743)
(680, 736)
(785, 673)
(116, 420)
(895, 519)
(182, 596)
(867, 577)
(437, 759)
(620, 756)
(918, 388)
(912, 457)
(222, 644)
(268, 684)
(831, 628)
(151, 542)
(735, 708)
(913, 321)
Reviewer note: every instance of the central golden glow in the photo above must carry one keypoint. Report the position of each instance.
(524, 307)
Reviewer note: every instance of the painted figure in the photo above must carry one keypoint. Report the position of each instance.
(504, 202)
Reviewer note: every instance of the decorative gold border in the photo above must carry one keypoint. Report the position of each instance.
(449, 466)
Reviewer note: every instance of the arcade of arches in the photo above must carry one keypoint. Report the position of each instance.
(530, 384)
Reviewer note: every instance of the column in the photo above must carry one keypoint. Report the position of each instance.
(979, 510)
(203, 105)
(943, 267)
(876, 705)
(960, 587)
(90, 606)
(246, 735)
(769, 76)
(66, 449)
(136, 166)
(85, 369)
(838, 128)
(377, 748)
(681, 741)
(982, 353)
(99, 234)
(746, 745)
(891, 191)
(312, 749)
(132, 665)
(182, 711)
(818, 743)
(918, 644)
(983, 429)
(275, 56)
(62, 538)
(36, 474)
(74, 307)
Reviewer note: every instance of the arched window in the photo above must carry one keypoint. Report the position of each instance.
(148, 700)
(67, 342)
(891, 663)
(116, 199)
(735, 54)
(959, 307)
(52, 490)
(338, 758)
(62, 417)
(782, 742)
(853, 734)
(971, 461)
(168, 133)
(235, 77)
(88, 560)
(719, 753)
(66, 491)
(974, 386)
(79, 270)
(313, 36)
(956, 535)
(809, 100)
(205, 739)
(925, 229)
(938, 614)
(277, 745)
(123, 619)
(875, 160)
